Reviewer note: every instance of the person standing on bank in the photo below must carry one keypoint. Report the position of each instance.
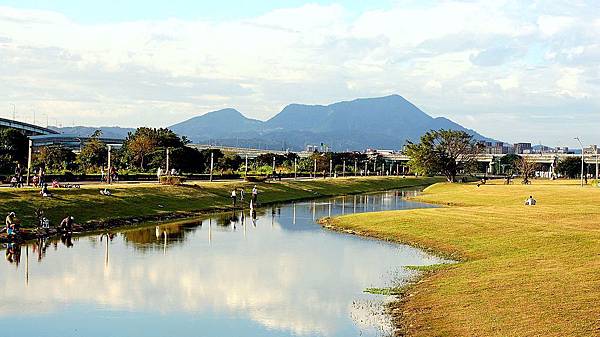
(233, 197)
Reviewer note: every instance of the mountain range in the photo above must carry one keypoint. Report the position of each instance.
(382, 122)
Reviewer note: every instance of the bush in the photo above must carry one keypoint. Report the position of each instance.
(172, 180)
(256, 179)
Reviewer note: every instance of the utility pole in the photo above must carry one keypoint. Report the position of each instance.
(108, 174)
(366, 162)
(246, 170)
(330, 168)
(273, 171)
(582, 159)
(295, 168)
(212, 162)
(344, 169)
(355, 167)
(315, 170)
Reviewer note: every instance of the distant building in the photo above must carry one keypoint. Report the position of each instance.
(521, 148)
(311, 148)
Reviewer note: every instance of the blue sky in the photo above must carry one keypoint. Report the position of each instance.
(118, 10)
(513, 70)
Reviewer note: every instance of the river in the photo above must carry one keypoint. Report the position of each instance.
(274, 274)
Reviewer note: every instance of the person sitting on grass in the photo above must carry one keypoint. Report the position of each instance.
(45, 192)
(530, 201)
(105, 192)
(14, 182)
(55, 184)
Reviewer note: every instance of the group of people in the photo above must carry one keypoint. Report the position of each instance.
(12, 223)
(160, 173)
(241, 193)
(109, 175)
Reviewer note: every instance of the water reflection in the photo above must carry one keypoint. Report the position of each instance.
(267, 272)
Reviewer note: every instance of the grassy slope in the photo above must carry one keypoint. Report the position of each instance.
(526, 271)
(144, 199)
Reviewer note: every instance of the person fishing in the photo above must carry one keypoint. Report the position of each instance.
(11, 224)
(66, 225)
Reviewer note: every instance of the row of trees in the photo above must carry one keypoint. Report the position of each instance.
(444, 152)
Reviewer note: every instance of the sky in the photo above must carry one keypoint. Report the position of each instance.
(517, 71)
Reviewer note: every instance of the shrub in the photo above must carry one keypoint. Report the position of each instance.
(172, 180)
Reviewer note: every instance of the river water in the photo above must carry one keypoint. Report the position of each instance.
(277, 273)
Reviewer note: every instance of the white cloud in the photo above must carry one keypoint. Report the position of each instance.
(159, 72)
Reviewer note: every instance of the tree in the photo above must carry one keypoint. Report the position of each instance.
(139, 147)
(509, 163)
(94, 153)
(445, 152)
(13, 149)
(54, 158)
(526, 167)
(569, 167)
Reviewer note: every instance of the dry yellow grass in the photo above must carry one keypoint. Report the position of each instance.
(525, 271)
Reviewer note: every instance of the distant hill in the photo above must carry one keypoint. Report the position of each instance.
(383, 122)
(217, 124)
(86, 131)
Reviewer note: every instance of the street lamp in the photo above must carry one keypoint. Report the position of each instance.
(582, 159)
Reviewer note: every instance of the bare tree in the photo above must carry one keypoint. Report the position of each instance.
(526, 167)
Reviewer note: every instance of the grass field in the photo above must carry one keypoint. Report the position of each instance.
(524, 270)
(86, 203)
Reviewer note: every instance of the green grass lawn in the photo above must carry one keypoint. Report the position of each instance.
(87, 204)
(524, 271)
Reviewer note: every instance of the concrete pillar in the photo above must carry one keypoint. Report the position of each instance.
(29, 153)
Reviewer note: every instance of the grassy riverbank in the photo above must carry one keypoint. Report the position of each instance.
(133, 200)
(525, 271)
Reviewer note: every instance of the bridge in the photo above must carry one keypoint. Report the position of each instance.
(26, 128)
(243, 151)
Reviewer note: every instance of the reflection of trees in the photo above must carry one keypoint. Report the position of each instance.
(149, 238)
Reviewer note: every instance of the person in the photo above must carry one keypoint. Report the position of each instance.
(233, 197)
(102, 178)
(11, 223)
(45, 192)
(241, 194)
(530, 201)
(158, 174)
(66, 225)
(173, 172)
(254, 195)
(19, 175)
(105, 192)
(41, 175)
(35, 181)
(13, 182)
(55, 183)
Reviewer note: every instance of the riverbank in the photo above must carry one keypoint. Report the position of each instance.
(524, 271)
(137, 203)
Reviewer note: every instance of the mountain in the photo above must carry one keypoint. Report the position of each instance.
(383, 122)
(217, 124)
(115, 132)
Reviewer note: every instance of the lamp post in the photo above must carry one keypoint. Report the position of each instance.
(582, 159)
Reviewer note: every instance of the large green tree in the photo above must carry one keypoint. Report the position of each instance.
(445, 152)
(13, 149)
(569, 167)
(94, 152)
